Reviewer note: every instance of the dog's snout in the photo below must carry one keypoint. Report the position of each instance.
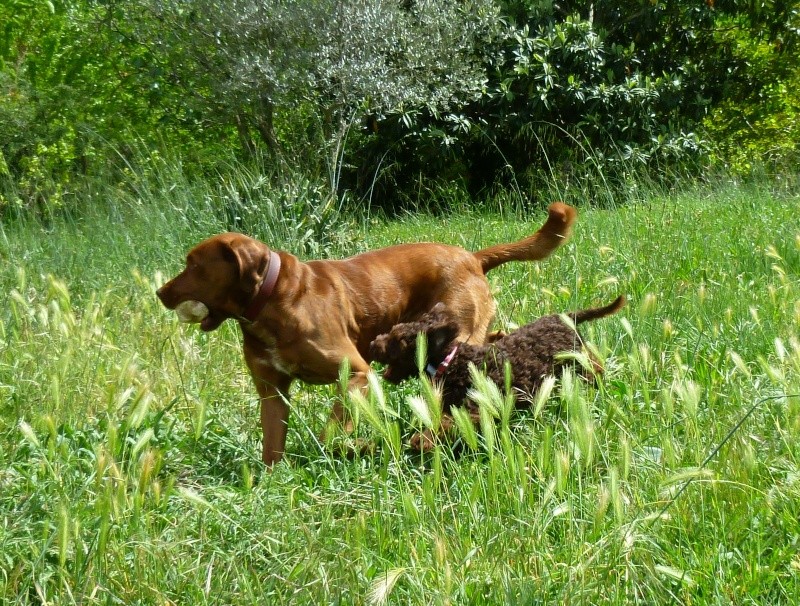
(165, 294)
(161, 293)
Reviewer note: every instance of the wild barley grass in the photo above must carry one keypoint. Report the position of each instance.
(129, 466)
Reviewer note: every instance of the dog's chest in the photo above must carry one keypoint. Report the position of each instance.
(289, 362)
(262, 350)
(271, 358)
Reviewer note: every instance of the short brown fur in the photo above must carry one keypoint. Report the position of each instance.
(323, 312)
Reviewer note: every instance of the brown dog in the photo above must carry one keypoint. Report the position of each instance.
(302, 320)
(532, 352)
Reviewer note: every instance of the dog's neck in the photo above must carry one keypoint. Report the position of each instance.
(436, 372)
(266, 288)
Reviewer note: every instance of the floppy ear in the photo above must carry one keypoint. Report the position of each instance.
(440, 337)
(250, 257)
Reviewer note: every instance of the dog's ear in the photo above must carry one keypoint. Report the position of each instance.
(250, 258)
(440, 337)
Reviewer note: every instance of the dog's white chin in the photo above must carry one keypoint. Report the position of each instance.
(191, 311)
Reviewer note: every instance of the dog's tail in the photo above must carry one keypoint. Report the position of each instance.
(537, 246)
(595, 313)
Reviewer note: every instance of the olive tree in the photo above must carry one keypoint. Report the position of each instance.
(268, 66)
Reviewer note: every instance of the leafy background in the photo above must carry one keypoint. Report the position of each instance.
(380, 101)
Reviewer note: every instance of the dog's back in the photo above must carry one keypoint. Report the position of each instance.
(534, 350)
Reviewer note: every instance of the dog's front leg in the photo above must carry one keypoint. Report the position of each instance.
(273, 392)
(274, 423)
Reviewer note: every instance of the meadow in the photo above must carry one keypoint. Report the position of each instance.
(129, 443)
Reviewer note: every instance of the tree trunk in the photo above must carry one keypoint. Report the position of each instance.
(245, 140)
(266, 127)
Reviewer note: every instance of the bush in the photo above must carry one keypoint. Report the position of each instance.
(757, 124)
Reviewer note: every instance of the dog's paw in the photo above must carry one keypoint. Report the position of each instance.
(191, 311)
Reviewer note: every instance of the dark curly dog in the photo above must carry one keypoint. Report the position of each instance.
(532, 352)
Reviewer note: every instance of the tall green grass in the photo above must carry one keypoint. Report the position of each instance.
(129, 454)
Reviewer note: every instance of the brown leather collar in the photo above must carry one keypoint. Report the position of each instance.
(266, 288)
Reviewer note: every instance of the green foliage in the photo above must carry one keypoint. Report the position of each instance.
(761, 136)
(387, 100)
(571, 79)
(39, 143)
(756, 125)
(299, 75)
(608, 91)
(74, 103)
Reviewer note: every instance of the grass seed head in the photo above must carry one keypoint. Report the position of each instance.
(648, 305)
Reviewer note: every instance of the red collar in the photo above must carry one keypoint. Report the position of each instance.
(266, 288)
(437, 372)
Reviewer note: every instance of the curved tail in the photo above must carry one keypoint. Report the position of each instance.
(595, 313)
(537, 246)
